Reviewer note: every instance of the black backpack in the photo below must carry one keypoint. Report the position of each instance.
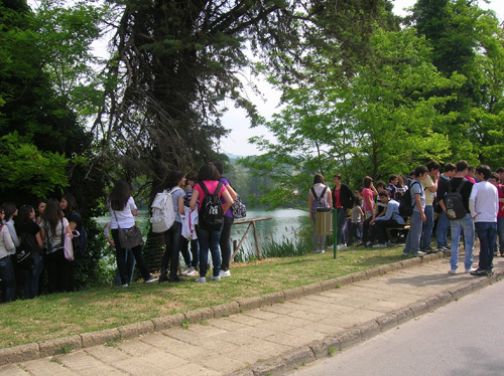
(211, 214)
(454, 203)
(405, 205)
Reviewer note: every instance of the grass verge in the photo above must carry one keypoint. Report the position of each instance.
(59, 315)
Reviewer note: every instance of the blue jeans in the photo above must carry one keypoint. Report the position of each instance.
(209, 239)
(414, 234)
(427, 227)
(341, 217)
(487, 233)
(458, 226)
(442, 230)
(8, 279)
(500, 233)
(31, 276)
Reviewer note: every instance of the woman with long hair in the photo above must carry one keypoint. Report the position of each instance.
(55, 227)
(123, 210)
(30, 236)
(209, 233)
(7, 274)
(319, 199)
(68, 204)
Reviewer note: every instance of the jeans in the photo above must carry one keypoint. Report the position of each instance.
(193, 257)
(209, 239)
(355, 232)
(8, 279)
(487, 232)
(31, 277)
(225, 242)
(442, 230)
(341, 217)
(121, 259)
(414, 234)
(427, 227)
(457, 226)
(171, 253)
(500, 233)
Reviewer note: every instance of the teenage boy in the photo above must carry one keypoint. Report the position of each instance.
(443, 224)
(465, 224)
(430, 185)
(418, 217)
(391, 218)
(484, 205)
(342, 199)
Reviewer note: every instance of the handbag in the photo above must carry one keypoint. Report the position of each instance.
(129, 238)
(68, 250)
(239, 209)
(25, 251)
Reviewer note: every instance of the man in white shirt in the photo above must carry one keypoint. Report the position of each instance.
(484, 205)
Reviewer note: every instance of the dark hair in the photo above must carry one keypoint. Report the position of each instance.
(485, 171)
(449, 167)
(208, 172)
(432, 165)
(71, 201)
(392, 177)
(52, 214)
(380, 183)
(120, 195)
(356, 200)
(24, 215)
(220, 166)
(366, 182)
(499, 170)
(9, 209)
(461, 166)
(495, 176)
(318, 178)
(420, 170)
(337, 176)
(384, 193)
(174, 178)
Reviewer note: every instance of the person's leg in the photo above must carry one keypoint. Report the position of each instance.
(481, 231)
(427, 227)
(468, 229)
(225, 242)
(184, 249)
(492, 239)
(500, 234)
(340, 213)
(140, 262)
(33, 276)
(195, 253)
(203, 240)
(120, 258)
(414, 234)
(381, 230)
(456, 230)
(442, 230)
(7, 280)
(214, 249)
(175, 234)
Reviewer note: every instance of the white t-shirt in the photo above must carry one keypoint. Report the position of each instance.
(123, 218)
(56, 240)
(484, 202)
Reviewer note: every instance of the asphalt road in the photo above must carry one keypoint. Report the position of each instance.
(462, 338)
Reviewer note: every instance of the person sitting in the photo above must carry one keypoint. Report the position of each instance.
(390, 219)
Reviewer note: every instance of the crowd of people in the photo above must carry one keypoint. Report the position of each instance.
(32, 241)
(461, 201)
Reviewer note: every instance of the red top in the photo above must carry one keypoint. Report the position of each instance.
(471, 179)
(500, 190)
(368, 199)
(337, 198)
(211, 185)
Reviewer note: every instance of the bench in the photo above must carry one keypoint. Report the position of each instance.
(398, 234)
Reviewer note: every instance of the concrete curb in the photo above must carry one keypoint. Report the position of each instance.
(66, 344)
(328, 346)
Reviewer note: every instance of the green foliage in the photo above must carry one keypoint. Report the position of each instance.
(28, 170)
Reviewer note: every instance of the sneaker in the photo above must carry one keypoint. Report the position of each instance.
(125, 285)
(340, 247)
(380, 245)
(201, 280)
(467, 271)
(225, 273)
(188, 271)
(216, 278)
(192, 273)
(420, 254)
(151, 279)
(481, 272)
(405, 254)
(452, 272)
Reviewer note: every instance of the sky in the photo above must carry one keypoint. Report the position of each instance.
(236, 143)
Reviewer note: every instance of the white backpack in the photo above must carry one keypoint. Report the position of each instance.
(163, 212)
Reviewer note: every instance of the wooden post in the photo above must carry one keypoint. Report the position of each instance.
(258, 251)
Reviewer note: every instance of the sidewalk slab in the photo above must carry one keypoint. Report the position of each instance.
(272, 338)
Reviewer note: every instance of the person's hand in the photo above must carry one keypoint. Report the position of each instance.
(111, 242)
(423, 217)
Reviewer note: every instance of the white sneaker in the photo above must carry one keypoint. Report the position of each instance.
(152, 280)
(216, 278)
(452, 272)
(420, 253)
(340, 247)
(125, 285)
(192, 273)
(187, 271)
(225, 273)
(201, 280)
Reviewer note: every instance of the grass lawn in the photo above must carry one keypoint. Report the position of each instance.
(59, 315)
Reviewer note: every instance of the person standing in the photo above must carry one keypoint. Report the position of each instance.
(7, 250)
(463, 225)
(193, 256)
(123, 210)
(418, 216)
(368, 193)
(484, 205)
(430, 186)
(319, 198)
(443, 223)
(342, 199)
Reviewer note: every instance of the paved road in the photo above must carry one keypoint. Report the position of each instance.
(462, 338)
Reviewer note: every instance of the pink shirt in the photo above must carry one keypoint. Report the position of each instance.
(368, 199)
(211, 185)
(500, 191)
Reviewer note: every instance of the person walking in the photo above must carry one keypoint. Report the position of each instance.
(484, 206)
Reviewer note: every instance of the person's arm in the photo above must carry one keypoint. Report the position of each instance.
(106, 233)
(194, 199)
(180, 203)
(310, 200)
(229, 200)
(386, 214)
(329, 198)
(7, 239)
(472, 201)
(39, 240)
(13, 233)
(232, 192)
(418, 202)
(133, 207)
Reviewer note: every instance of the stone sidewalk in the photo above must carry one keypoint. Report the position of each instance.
(274, 338)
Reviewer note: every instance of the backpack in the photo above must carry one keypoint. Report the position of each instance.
(163, 212)
(211, 214)
(405, 202)
(318, 201)
(239, 209)
(454, 203)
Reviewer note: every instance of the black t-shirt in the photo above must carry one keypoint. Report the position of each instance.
(452, 185)
(30, 228)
